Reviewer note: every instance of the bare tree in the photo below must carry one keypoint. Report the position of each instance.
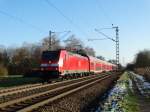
(4, 61)
(3, 70)
(36, 56)
(22, 59)
(73, 43)
(2, 48)
(89, 51)
(112, 61)
(55, 43)
(142, 58)
(20, 54)
(101, 58)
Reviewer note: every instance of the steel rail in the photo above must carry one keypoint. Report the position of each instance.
(10, 89)
(29, 100)
(41, 88)
(60, 96)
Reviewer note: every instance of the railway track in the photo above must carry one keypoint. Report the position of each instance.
(19, 92)
(11, 89)
(30, 99)
(7, 90)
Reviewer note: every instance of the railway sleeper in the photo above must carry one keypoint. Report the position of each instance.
(21, 94)
(50, 106)
(64, 90)
(48, 95)
(42, 97)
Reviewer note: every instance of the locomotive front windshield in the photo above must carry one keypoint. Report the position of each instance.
(50, 55)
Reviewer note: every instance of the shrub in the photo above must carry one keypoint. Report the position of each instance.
(3, 71)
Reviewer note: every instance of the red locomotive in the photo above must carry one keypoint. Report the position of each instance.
(62, 63)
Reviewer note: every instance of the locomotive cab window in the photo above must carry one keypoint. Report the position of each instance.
(50, 55)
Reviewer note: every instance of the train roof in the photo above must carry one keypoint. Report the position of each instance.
(85, 55)
(96, 59)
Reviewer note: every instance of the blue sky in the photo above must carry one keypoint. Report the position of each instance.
(37, 18)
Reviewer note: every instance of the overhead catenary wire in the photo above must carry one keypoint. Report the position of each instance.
(104, 13)
(65, 33)
(66, 17)
(15, 18)
(97, 39)
(105, 35)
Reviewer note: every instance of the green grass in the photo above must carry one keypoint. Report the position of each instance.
(15, 81)
(130, 101)
(124, 77)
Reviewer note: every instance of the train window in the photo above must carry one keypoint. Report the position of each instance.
(50, 55)
(92, 64)
(65, 57)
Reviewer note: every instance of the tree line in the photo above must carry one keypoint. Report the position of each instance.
(142, 59)
(21, 60)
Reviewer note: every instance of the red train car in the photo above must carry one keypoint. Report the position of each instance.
(98, 66)
(62, 63)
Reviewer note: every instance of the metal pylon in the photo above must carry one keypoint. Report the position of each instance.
(117, 46)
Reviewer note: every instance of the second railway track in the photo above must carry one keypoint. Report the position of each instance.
(11, 89)
(31, 98)
(28, 90)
